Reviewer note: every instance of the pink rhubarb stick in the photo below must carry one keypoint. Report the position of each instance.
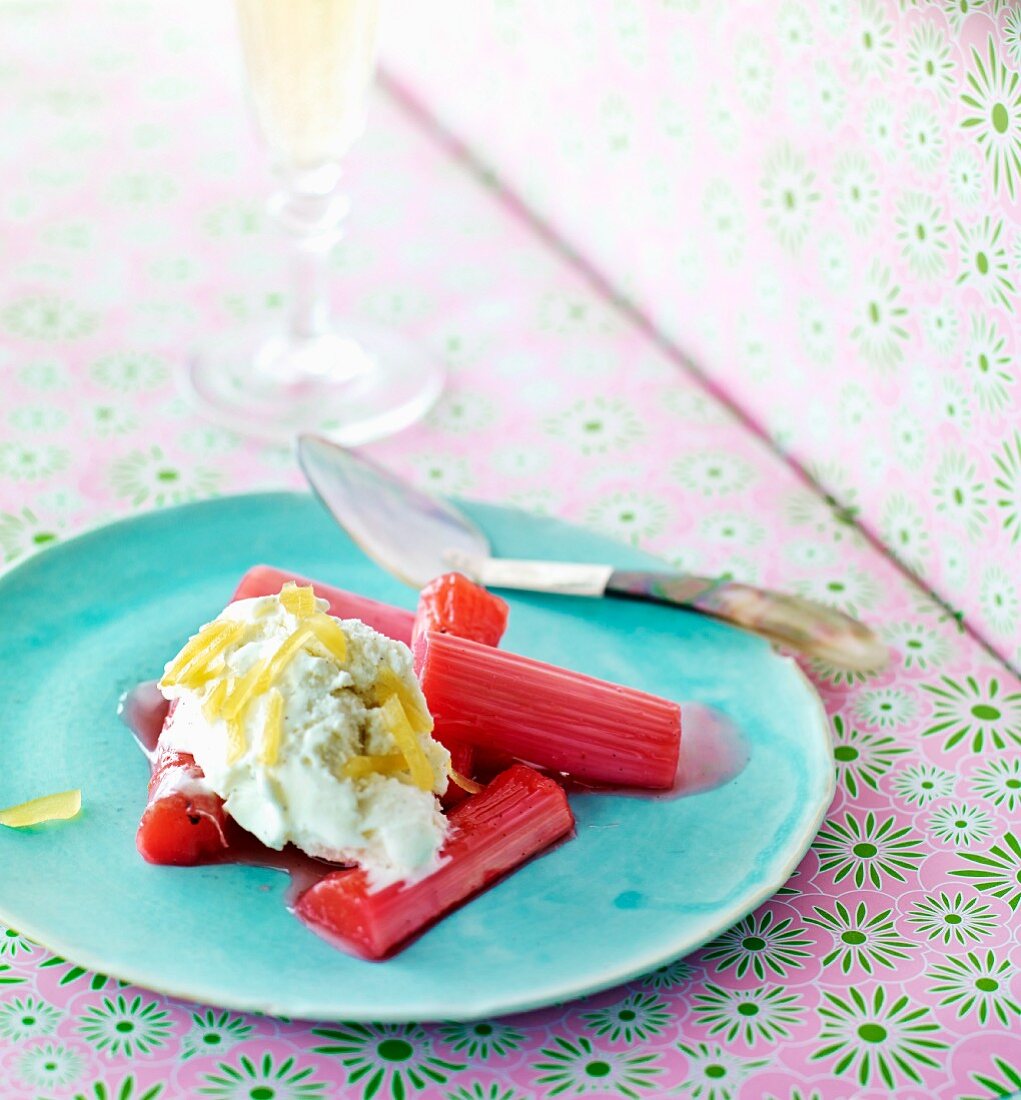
(518, 815)
(548, 716)
(394, 622)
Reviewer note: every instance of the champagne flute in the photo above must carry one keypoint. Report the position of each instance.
(310, 65)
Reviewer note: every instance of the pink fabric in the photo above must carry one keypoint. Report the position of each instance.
(135, 195)
(819, 202)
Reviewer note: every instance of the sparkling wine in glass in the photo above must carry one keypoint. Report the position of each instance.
(310, 65)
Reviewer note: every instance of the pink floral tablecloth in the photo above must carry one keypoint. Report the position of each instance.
(131, 196)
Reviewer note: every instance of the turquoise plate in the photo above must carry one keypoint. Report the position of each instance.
(643, 882)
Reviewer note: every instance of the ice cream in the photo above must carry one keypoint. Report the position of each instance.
(314, 731)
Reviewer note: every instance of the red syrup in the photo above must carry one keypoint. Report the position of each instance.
(713, 752)
(144, 710)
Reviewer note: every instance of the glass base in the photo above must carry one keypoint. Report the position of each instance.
(354, 386)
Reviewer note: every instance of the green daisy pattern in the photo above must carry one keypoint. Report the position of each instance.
(261, 1079)
(923, 137)
(885, 708)
(50, 1066)
(668, 976)
(941, 327)
(965, 176)
(860, 941)
(713, 473)
(961, 824)
(1005, 1085)
(999, 600)
(74, 973)
(881, 1042)
(46, 317)
(921, 784)
(753, 73)
(930, 64)
(13, 943)
(714, 1073)
(572, 1067)
(992, 101)
(629, 516)
(1000, 782)
(996, 872)
(879, 328)
(879, 128)
(27, 1018)
(960, 494)
(213, 1032)
(983, 260)
(7, 978)
(22, 462)
(974, 713)
(118, 1026)
(989, 365)
(872, 46)
(1006, 487)
(956, 919)
(862, 758)
(1012, 34)
(789, 196)
(977, 985)
(856, 190)
(759, 944)
(124, 1090)
(479, 1091)
(922, 234)
(597, 425)
(639, 1016)
(129, 372)
(389, 1060)
(766, 1013)
(905, 531)
(867, 849)
(152, 478)
(918, 645)
(482, 1039)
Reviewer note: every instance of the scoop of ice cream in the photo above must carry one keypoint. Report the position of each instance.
(314, 731)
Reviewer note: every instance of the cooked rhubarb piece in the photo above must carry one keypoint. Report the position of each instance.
(518, 815)
(184, 822)
(548, 716)
(452, 604)
(394, 622)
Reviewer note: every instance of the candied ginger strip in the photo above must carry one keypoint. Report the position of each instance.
(201, 650)
(407, 741)
(273, 729)
(245, 690)
(298, 600)
(276, 664)
(214, 702)
(49, 807)
(330, 635)
(464, 782)
(391, 684)
(237, 743)
(358, 767)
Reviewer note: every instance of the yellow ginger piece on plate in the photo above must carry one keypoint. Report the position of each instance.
(358, 767)
(191, 666)
(272, 731)
(299, 601)
(49, 807)
(391, 684)
(407, 741)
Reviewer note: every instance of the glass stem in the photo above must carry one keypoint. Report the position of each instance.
(313, 223)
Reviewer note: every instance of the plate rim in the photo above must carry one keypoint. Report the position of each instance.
(482, 1009)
